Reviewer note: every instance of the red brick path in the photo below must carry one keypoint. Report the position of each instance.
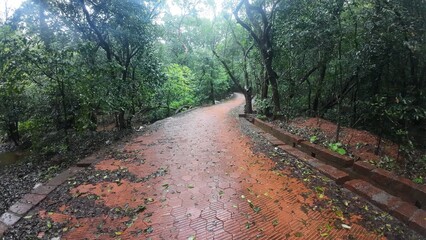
(215, 188)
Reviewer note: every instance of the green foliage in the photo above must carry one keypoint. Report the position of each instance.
(419, 180)
(387, 163)
(357, 63)
(313, 139)
(13, 77)
(178, 88)
(337, 147)
(63, 64)
(263, 106)
(59, 71)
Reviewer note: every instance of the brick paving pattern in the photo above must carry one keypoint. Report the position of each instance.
(215, 188)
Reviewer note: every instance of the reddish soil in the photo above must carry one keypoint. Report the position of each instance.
(214, 187)
(361, 143)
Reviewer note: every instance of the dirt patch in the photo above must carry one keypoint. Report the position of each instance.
(19, 179)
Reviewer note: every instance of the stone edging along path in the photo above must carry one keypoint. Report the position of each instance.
(30, 200)
(399, 196)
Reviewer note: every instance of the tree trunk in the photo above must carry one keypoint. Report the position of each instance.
(248, 108)
(263, 40)
(14, 132)
(93, 120)
(121, 120)
(264, 84)
(212, 91)
(247, 92)
(309, 96)
(315, 104)
(272, 78)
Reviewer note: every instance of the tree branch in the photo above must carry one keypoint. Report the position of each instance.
(243, 24)
(228, 70)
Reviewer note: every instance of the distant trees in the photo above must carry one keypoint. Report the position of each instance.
(187, 41)
(64, 63)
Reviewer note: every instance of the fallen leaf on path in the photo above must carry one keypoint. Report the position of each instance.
(275, 223)
(346, 226)
(149, 230)
(140, 209)
(257, 209)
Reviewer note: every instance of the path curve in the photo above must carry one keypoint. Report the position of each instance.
(208, 184)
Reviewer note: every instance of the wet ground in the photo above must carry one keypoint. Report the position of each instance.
(8, 158)
(21, 170)
(199, 176)
(363, 144)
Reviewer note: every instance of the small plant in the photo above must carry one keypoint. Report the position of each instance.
(261, 117)
(313, 139)
(359, 145)
(387, 163)
(418, 180)
(264, 106)
(337, 147)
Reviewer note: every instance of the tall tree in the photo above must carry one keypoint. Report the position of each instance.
(123, 30)
(259, 24)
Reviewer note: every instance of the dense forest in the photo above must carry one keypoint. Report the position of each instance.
(67, 67)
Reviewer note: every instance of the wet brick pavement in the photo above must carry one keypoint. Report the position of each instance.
(215, 187)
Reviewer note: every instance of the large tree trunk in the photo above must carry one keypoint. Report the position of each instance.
(121, 121)
(265, 85)
(275, 93)
(267, 56)
(248, 107)
(13, 132)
